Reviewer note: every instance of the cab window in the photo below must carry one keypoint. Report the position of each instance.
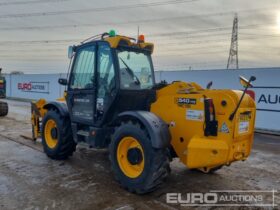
(135, 70)
(83, 70)
(105, 78)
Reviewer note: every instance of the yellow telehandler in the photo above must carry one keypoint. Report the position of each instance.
(112, 101)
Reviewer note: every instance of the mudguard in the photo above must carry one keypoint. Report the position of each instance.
(158, 130)
(61, 107)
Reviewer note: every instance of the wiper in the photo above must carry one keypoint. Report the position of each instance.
(130, 71)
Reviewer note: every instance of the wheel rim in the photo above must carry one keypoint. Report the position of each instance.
(50, 132)
(129, 168)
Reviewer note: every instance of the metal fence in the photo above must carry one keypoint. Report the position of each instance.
(267, 88)
(34, 86)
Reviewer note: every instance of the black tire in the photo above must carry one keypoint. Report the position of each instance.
(4, 109)
(156, 164)
(65, 144)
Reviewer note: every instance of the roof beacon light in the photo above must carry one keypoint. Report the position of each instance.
(141, 38)
(112, 33)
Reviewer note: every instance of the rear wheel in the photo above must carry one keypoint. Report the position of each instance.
(137, 166)
(4, 109)
(57, 137)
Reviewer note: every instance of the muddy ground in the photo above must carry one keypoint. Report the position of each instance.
(30, 180)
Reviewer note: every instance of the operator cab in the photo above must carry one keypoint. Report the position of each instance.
(109, 75)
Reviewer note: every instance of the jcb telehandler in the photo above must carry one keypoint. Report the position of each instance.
(3, 105)
(112, 101)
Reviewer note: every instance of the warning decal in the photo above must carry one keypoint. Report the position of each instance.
(196, 115)
(224, 128)
(243, 127)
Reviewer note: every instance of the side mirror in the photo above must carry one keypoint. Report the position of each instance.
(253, 78)
(246, 83)
(71, 50)
(62, 81)
(209, 85)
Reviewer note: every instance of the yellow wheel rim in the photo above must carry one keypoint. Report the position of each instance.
(50, 140)
(130, 170)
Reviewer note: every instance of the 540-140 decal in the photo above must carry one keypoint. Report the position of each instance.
(185, 101)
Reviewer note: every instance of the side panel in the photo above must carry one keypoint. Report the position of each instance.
(81, 105)
(185, 116)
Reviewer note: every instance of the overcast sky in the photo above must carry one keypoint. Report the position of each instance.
(35, 34)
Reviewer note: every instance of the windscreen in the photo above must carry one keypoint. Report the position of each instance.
(135, 70)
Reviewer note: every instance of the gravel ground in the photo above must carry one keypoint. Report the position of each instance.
(30, 180)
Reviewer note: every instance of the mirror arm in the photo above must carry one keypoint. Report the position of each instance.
(243, 94)
(234, 112)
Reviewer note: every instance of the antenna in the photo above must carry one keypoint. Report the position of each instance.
(233, 52)
(138, 32)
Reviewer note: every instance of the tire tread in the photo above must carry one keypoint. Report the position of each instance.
(159, 169)
(68, 146)
(4, 109)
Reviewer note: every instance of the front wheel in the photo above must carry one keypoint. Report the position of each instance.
(57, 137)
(137, 166)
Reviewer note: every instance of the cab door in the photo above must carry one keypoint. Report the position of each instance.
(106, 82)
(81, 89)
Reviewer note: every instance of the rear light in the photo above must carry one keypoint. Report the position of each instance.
(211, 124)
(211, 109)
(251, 93)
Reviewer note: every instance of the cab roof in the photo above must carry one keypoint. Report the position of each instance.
(124, 41)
